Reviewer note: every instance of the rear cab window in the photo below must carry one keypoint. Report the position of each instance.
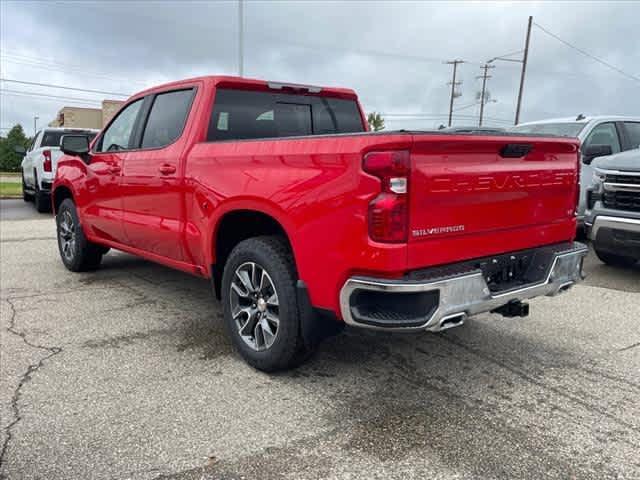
(244, 114)
(51, 138)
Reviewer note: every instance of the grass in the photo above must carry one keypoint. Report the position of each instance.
(9, 174)
(10, 189)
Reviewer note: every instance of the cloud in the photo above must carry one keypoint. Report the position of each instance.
(392, 53)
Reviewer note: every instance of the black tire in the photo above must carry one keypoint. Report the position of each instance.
(42, 199)
(42, 202)
(26, 196)
(615, 260)
(271, 254)
(81, 255)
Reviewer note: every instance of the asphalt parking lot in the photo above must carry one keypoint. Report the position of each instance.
(126, 373)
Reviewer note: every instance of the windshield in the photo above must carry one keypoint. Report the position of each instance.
(561, 129)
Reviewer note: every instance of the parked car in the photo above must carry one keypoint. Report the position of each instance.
(598, 135)
(40, 161)
(304, 221)
(613, 215)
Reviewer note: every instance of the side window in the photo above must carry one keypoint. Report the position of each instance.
(604, 134)
(167, 117)
(633, 133)
(118, 134)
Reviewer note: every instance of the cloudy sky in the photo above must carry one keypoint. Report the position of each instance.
(391, 52)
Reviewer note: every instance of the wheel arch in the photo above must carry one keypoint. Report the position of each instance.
(235, 226)
(60, 193)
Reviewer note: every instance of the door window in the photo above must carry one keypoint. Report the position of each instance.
(604, 134)
(633, 133)
(167, 118)
(118, 135)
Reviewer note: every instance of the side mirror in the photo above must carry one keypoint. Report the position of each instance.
(20, 150)
(75, 145)
(595, 151)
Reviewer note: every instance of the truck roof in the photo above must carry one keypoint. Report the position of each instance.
(583, 119)
(254, 84)
(69, 129)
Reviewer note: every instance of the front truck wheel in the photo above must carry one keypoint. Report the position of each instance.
(77, 253)
(260, 304)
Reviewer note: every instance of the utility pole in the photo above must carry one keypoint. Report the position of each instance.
(35, 125)
(484, 78)
(240, 38)
(524, 69)
(453, 85)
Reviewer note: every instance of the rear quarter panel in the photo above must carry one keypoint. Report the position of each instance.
(314, 187)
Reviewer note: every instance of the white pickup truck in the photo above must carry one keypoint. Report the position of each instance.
(40, 161)
(599, 136)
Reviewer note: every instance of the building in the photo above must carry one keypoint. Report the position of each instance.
(79, 117)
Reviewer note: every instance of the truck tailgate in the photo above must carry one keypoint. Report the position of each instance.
(472, 196)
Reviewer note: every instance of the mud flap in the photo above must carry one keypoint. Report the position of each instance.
(316, 324)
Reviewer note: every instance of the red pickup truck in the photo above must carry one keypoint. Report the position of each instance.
(304, 220)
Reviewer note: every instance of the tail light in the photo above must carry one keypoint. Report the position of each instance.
(46, 165)
(388, 215)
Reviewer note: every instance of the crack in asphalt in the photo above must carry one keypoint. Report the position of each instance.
(26, 376)
(594, 409)
(24, 239)
(629, 347)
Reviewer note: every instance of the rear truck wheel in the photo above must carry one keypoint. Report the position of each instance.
(26, 196)
(615, 260)
(260, 304)
(42, 199)
(77, 253)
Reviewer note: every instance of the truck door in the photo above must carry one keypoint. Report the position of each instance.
(103, 211)
(152, 182)
(602, 134)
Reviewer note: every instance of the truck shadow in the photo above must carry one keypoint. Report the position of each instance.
(463, 397)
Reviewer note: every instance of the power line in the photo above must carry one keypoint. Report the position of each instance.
(60, 67)
(57, 97)
(464, 107)
(67, 103)
(587, 54)
(63, 87)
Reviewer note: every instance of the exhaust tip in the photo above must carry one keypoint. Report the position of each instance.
(452, 321)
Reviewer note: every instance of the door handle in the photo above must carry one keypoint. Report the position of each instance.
(114, 169)
(167, 169)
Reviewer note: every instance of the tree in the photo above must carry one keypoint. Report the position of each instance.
(10, 160)
(376, 122)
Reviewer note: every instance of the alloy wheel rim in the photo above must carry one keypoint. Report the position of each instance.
(254, 306)
(67, 235)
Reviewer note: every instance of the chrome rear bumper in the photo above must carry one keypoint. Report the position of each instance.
(456, 297)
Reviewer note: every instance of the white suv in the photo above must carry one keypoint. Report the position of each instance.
(599, 136)
(40, 161)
